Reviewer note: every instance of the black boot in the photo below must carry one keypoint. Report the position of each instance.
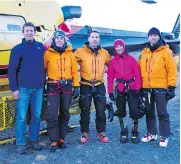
(135, 133)
(124, 136)
(35, 145)
(117, 112)
(22, 149)
(135, 137)
(53, 147)
(62, 144)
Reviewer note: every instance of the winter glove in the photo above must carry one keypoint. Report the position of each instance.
(110, 111)
(76, 92)
(170, 92)
(141, 107)
(111, 96)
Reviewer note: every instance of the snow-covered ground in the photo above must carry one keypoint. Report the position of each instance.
(95, 152)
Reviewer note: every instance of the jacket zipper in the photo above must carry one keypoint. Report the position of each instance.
(149, 70)
(122, 66)
(64, 64)
(92, 66)
(98, 65)
(146, 64)
(61, 67)
(47, 66)
(58, 66)
(95, 68)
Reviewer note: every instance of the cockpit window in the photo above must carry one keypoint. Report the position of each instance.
(10, 31)
(13, 27)
(11, 23)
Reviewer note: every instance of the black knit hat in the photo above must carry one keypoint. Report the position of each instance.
(154, 30)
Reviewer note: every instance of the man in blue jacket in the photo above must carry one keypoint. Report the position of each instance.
(26, 79)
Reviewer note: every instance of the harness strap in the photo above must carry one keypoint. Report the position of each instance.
(59, 88)
(93, 91)
(91, 82)
(126, 83)
(69, 81)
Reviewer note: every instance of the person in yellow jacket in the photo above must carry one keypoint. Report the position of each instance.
(62, 71)
(159, 76)
(92, 59)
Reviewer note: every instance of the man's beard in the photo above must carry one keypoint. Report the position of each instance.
(154, 43)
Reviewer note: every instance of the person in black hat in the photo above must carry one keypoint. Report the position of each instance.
(159, 77)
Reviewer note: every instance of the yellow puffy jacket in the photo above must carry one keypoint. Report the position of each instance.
(61, 66)
(91, 65)
(158, 68)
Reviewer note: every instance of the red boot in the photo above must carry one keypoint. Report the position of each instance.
(103, 137)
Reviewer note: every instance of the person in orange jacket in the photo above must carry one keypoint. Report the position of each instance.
(159, 76)
(92, 59)
(62, 71)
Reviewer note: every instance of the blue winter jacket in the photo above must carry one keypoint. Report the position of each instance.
(26, 66)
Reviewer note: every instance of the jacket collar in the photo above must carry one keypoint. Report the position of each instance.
(27, 42)
(90, 49)
(157, 47)
(69, 48)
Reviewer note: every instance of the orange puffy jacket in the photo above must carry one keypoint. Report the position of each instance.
(158, 68)
(91, 65)
(61, 66)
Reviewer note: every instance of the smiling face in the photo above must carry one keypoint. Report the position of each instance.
(119, 49)
(59, 41)
(29, 33)
(153, 39)
(94, 39)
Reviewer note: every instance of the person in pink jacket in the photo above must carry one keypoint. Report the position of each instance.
(124, 84)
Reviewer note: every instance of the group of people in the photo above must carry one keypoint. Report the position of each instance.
(142, 84)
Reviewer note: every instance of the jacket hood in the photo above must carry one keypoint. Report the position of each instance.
(119, 42)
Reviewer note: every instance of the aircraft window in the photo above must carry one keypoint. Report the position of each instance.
(13, 27)
(11, 23)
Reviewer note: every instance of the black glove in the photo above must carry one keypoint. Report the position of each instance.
(76, 92)
(170, 92)
(110, 111)
(111, 96)
(141, 107)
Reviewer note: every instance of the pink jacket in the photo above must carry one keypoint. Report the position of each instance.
(125, 68)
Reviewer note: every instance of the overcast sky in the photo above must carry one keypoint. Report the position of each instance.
(127, 14)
